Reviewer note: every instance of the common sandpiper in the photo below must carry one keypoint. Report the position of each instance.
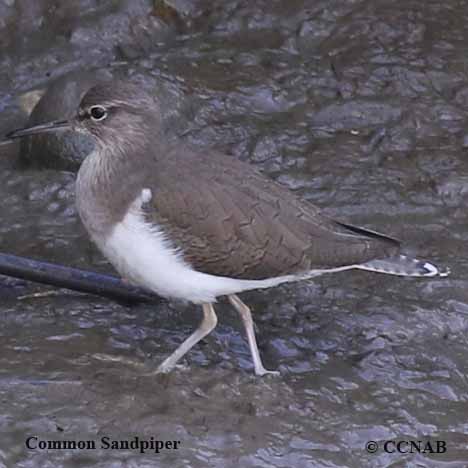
(195, 224)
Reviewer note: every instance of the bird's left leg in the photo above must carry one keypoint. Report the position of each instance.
(207, 325)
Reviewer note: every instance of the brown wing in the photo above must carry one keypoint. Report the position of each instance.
(230, 220)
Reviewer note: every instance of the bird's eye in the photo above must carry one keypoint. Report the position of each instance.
(98, 113)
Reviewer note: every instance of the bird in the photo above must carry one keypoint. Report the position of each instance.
(195, 224)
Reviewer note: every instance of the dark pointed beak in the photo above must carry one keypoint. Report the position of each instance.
(43, 128)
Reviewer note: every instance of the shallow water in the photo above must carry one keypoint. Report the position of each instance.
(360, 107)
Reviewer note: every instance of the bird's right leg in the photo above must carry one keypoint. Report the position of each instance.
(247, 320)
(207, 325)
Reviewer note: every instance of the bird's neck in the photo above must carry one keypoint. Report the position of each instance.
(108, 181)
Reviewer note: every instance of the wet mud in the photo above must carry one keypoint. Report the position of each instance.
(361, 108)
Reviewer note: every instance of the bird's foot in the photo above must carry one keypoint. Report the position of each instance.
(165, 368)
(261, 371)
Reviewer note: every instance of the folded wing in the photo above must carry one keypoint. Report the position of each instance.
(230, 220)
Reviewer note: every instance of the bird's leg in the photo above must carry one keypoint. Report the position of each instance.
(207, 325)
(246, 316)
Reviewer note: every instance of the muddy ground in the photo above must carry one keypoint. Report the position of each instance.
(360, 107)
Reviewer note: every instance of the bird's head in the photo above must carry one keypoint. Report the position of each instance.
(112, 113)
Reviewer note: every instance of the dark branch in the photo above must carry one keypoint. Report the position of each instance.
(72, 278)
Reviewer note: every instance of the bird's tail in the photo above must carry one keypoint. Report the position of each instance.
(401, 265)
